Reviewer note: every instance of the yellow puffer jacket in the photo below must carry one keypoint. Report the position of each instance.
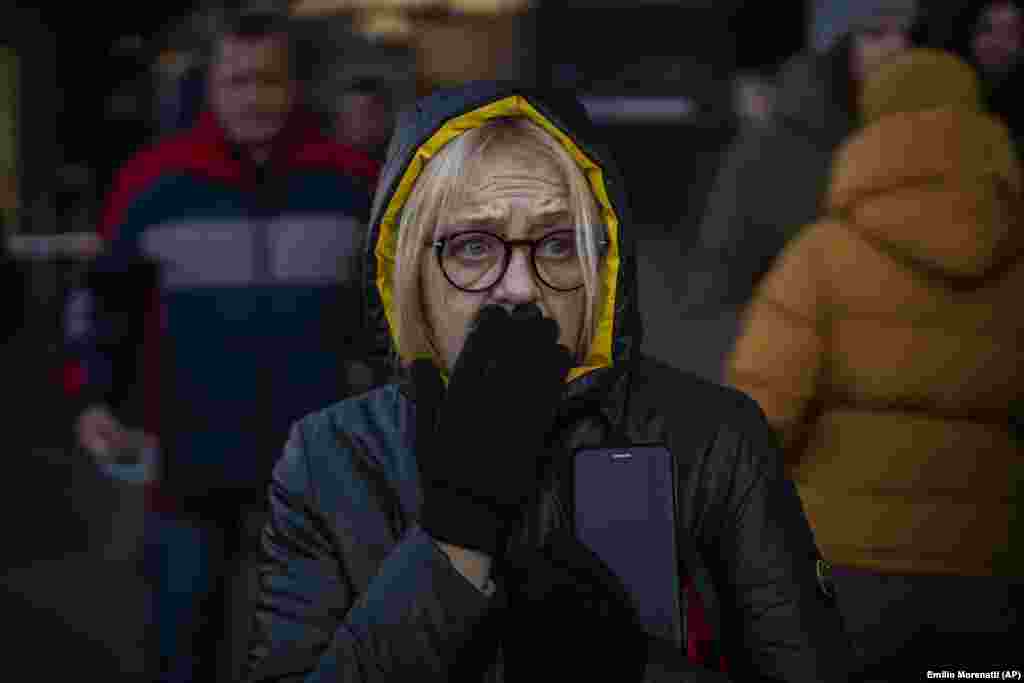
(886, 344)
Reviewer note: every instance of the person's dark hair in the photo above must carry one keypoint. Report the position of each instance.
(366, 85)
(370, 86)
(253, 25)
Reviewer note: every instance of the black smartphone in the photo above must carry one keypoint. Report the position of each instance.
(624, 511)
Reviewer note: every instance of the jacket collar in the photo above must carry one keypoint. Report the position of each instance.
(301, 142)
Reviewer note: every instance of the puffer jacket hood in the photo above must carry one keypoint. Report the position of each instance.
(435, 120)
(917, 80)
(940, 189)
(932, 177)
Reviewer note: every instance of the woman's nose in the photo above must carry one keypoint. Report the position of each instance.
(519, 285)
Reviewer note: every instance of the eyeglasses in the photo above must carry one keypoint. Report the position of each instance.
(475, 261)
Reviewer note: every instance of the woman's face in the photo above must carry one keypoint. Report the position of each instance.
(515, 193)
(997, 38)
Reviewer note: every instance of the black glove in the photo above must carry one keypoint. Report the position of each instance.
(478, 443)
(568, 616)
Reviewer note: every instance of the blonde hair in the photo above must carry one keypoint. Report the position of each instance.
(429, 204)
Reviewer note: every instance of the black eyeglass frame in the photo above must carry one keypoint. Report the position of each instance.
(438, 246)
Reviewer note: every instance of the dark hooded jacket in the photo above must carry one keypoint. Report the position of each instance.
(772, 179)
(351, 587)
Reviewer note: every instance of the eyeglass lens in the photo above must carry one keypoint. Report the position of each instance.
(475, 261)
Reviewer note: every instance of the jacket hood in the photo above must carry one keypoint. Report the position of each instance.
(917, 80)
(423, 129)
(816, 95)
(939, 188)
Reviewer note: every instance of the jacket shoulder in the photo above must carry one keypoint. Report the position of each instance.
(351, 448)
(697, 416)
(139, 174)
(358, 418)
(155, 159)
(656, 381)
(719, 437)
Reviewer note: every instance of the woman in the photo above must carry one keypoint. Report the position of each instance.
(418, 532)
(885, 348)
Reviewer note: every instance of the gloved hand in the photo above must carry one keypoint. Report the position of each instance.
(478, 443)
(568, 616)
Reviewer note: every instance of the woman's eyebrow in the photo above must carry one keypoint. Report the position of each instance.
(547, 220)
(492, 222)
(464, 224)
(551, 215)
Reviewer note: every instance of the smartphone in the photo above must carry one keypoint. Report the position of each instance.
(624, 511)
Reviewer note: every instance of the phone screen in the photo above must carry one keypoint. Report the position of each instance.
(624, 511)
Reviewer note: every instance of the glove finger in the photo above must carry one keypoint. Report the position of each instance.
(537, 352)
(526, 312)
(547, 331)
(532, 328)
(489, 321)
(548, 369)
(486, 342)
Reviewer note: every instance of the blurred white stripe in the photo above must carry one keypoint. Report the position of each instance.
(74, 245)
(638, 109)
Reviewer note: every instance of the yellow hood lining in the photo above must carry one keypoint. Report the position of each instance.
(600, 353)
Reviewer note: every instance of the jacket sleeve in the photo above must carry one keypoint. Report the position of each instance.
(779, 354)
(104, 326)
(779, 621)
(105, 317)
(418, 618)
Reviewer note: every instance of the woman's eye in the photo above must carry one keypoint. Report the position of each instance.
(471, 248)
(558, 247)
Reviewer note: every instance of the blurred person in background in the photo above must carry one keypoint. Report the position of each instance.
(774, 174)
(224, 306)
(885, 347)
(989, 35)
(364, 118)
